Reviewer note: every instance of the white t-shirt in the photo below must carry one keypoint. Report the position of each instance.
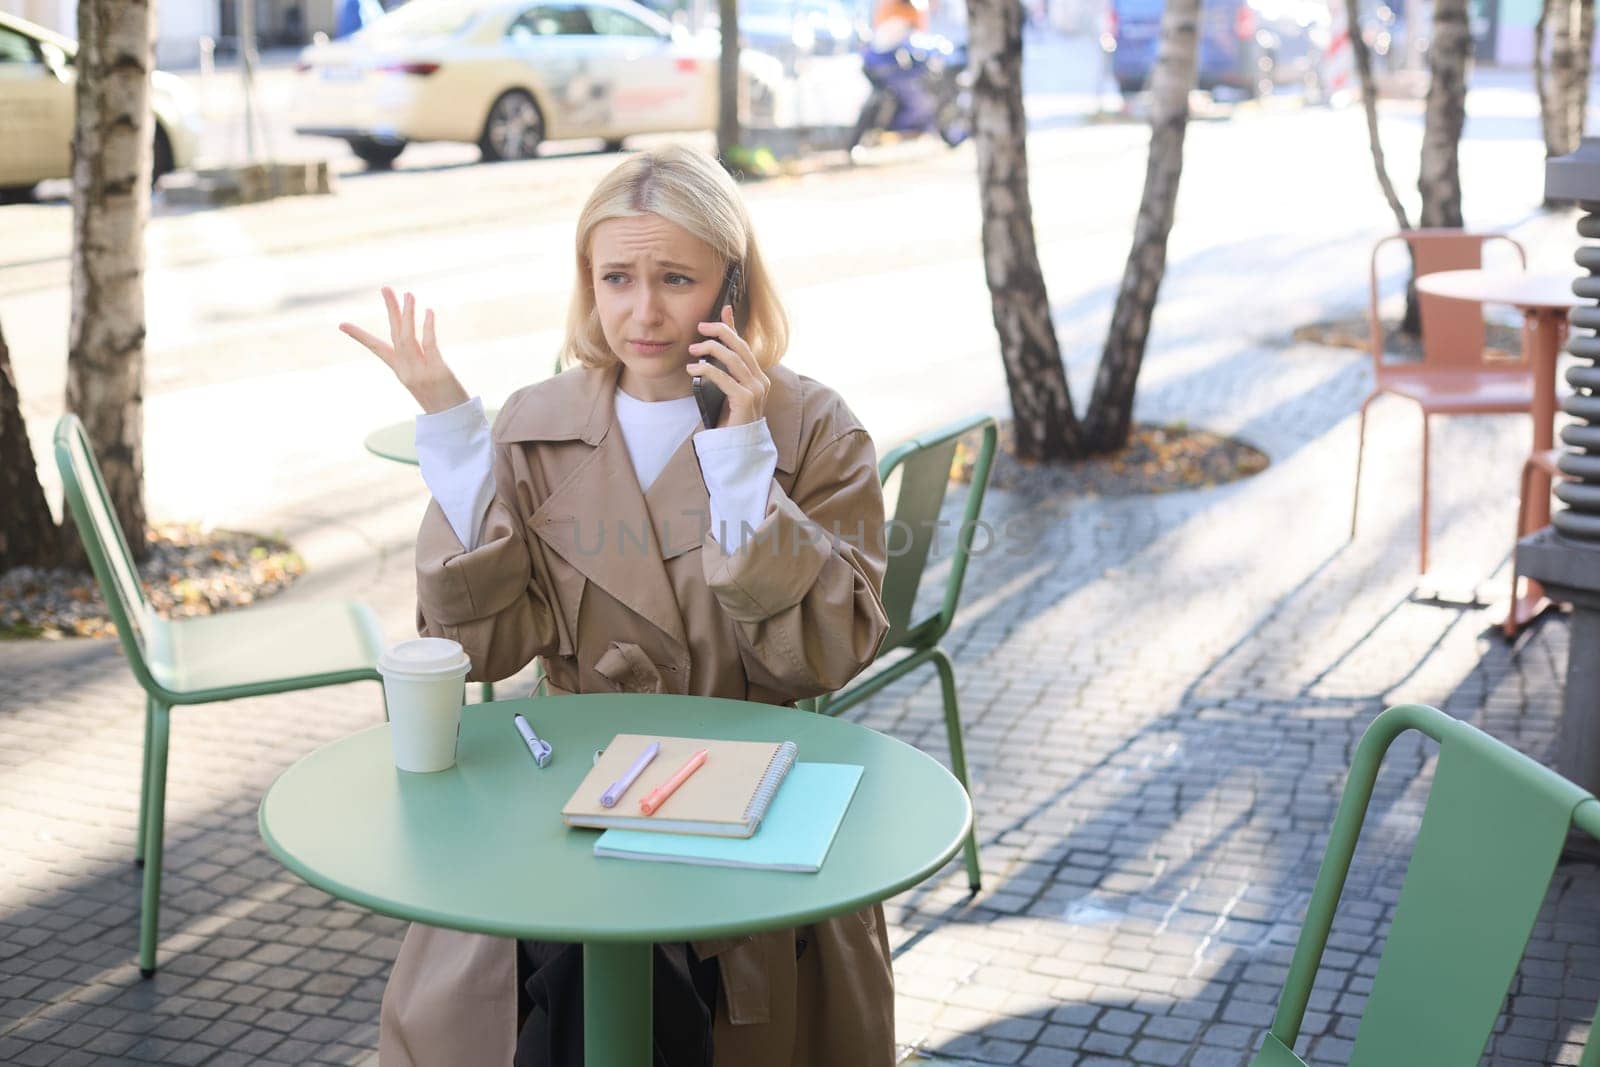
(456, 456)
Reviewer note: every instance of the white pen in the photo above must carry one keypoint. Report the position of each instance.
(540, 748)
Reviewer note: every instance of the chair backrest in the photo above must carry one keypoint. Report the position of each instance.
(924, 465)
(1491, 833)
(1452, 330)
(104, 543)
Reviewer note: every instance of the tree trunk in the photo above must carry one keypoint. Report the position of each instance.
(1583, 59)
(728, 135)
(111, 161)
(1439, 180)
(1044, 423)
(1110, 415)
(1563, 84)
(28, 534)
(1369, 104)
(1582, 68)
(1549, 15)
(1439, 177)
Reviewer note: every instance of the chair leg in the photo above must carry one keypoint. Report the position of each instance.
(155, 817)
(1509, 627)
(958, 758)
(1423, 567)
(144, 782)
(1361, 448)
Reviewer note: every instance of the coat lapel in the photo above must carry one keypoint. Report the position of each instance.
(597, 519)
(680, 509)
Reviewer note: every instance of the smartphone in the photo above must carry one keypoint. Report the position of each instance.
(706, 392)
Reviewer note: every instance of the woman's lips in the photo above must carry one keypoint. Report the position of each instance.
(650, 347)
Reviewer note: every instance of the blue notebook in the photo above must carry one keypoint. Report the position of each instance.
(795, 835)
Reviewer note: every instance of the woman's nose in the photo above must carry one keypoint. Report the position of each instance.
(649, 307)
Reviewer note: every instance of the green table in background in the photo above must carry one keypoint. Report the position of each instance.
(481, 847)
(398, 440)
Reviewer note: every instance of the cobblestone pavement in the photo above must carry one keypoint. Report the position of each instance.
(1161, 696)
(1154, 777)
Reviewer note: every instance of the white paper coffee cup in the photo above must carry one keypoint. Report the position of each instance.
(424, 682)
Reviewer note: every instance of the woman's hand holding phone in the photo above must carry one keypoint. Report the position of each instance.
(735, 371)
(416, 362)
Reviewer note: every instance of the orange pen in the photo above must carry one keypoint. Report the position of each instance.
(658, 796)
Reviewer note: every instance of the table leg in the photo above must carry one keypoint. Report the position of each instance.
(1543, 332)
(617, 1004)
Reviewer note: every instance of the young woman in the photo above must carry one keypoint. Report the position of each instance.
(600, 527)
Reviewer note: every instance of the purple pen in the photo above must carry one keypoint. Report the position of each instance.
(609, 798)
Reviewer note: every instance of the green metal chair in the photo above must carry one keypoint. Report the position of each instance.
(924, 464)
(1491, 833)
(241, 653)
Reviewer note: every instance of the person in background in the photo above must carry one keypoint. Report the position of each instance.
(893, 21)
(356, 15)
(601, 527)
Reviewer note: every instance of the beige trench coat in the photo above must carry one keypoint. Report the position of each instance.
(620, 590)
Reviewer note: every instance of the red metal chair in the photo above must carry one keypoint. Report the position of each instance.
(1455, 375)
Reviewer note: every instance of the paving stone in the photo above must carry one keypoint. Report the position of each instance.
(1160, 698)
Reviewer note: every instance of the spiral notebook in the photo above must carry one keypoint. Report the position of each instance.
(796, 835)
(726, 797)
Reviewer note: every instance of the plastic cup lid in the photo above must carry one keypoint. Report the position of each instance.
(424, 655)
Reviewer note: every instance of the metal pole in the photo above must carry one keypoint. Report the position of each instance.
(617, 1003)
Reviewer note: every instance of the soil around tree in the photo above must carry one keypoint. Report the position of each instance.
(1500, 342)
(1157, 459)
(189, 572)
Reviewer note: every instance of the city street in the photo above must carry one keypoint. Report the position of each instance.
(244, 303)
(1162, 694)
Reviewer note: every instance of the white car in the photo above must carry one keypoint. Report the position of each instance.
(508, 74)
(37, 109)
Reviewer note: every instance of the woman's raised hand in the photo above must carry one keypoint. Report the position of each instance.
(417, 363)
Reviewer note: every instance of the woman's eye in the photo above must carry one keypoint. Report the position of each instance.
(679, 279)
(613, 278)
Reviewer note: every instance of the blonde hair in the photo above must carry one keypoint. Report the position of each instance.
(687, 187)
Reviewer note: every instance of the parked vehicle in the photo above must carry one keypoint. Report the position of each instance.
(919, 86)
(1247, 47)
(507, 75)
(793, 30)
(37, 110)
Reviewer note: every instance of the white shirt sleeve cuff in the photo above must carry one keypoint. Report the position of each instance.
(738, 463)
(456, 456)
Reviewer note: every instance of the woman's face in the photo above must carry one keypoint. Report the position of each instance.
(654, 283)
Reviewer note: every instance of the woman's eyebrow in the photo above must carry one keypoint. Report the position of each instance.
(618, 265)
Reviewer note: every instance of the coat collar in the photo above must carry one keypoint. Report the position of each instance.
(578, 405)
(597, 518)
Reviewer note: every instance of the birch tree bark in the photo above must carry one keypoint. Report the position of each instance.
(1369, 104)
(1439, 179)
(1044, 423)
(28, 534)
(1567, 28)
(1110, 416)
(728, 136)
(111, 160)
(1583, 68)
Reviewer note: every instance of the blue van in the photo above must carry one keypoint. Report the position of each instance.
(1248, 47)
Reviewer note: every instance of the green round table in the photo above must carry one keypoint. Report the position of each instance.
(398, 440)
(481, 847)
